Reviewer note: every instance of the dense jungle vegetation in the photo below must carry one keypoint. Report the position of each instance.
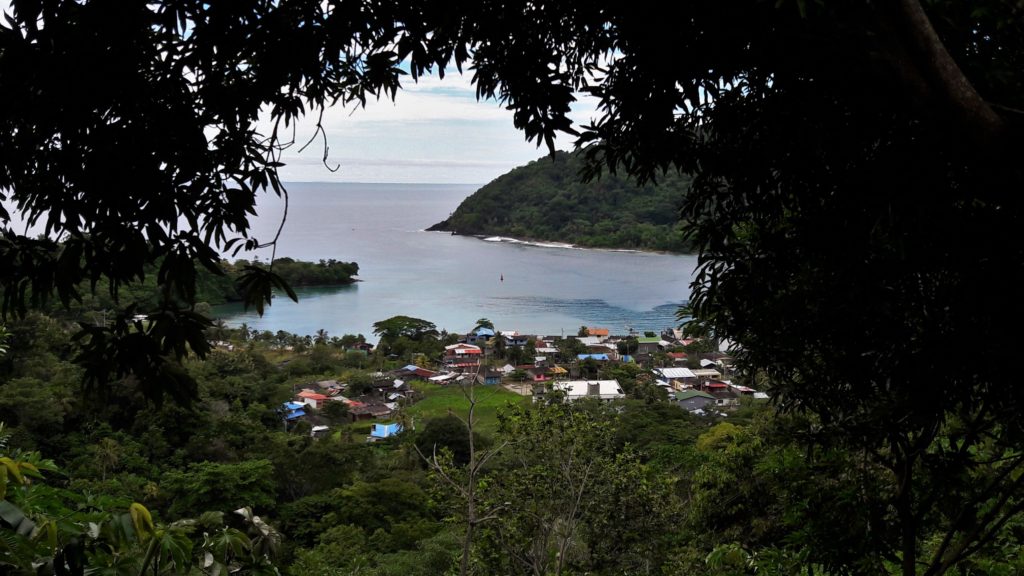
(636, 487)
(546, 200)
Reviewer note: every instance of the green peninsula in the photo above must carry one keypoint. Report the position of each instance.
(211, 288)
(221, 289)
(545, 200)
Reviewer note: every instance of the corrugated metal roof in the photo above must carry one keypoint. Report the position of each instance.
(606, 389)
(676, 372)
(461, 347)
(688, 394)
(312, 395)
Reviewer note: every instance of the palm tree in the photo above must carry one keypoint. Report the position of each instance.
(321, 336)
(108, 454)
(484, 323)
(219, 330)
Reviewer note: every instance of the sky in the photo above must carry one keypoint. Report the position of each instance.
(434, 132)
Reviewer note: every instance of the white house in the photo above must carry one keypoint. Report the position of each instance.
(599, 389)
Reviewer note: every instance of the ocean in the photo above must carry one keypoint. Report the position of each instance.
(543, 288)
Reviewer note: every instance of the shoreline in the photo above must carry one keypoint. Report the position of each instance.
(540, 243)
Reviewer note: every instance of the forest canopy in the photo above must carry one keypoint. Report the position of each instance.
(546, 200)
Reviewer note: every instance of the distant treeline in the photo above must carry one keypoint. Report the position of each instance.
(214, 289)
(211, 289)
(301, 273)
(545, 200)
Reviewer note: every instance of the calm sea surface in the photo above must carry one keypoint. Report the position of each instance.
(451, 280)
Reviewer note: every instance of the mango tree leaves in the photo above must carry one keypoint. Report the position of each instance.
(257, 287)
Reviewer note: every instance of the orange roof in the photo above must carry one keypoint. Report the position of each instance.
(597, 331)
(312, 395)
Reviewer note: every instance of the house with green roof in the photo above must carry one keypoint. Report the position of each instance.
(692, 400)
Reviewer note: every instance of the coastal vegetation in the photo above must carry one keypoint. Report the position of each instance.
(113, 483)
(220, 288)
(329, 272)
(547, 199)
(211, 288)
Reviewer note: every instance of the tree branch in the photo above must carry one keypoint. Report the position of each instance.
(942, 74)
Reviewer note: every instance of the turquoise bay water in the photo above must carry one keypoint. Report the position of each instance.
(452, 280)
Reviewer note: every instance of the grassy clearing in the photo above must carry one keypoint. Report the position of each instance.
(439, 399)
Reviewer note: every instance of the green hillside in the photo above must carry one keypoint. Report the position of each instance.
(545, 200)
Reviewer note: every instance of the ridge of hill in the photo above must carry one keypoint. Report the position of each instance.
(545, 200)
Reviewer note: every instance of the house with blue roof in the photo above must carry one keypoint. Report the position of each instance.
(479, 336)
(381, 431)
(598, 357)
(292, 411)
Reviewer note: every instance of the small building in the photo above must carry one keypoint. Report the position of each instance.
(678, 357)
(557, 372)
(605, 390)
(539, 373)
(648, 345)
(679, 378)
(319, 431)
(412, 372)
(693, 400)
(379, 430)
(310, 398)
(741, 390)
(489, 377)
(609, 350)
(707, 374)
(723, 393)
(368, 411)
(462, 355)
(292, 411)
(479, 336)
(515, 338)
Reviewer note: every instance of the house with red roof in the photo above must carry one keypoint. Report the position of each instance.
(462, 355)
(311, 398)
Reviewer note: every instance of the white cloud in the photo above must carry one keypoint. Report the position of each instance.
(434, 131)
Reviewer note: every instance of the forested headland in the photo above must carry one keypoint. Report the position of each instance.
(548, 200)
(210, 288)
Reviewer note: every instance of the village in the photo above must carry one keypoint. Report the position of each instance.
(691, 373)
